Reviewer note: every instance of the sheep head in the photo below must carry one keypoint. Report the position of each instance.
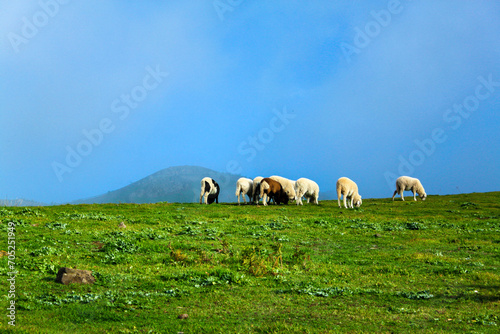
(357, 201)
(290, 194)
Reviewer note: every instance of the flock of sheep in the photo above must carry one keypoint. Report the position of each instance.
(282, 190)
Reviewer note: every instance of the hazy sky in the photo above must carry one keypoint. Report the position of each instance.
(95, 95)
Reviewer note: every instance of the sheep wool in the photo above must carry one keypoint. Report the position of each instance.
(256, 189)
(209, 190)
(409, 183)
(244, 186)
(272, 189)
(349, 189)
(287, 185)
(308, 189)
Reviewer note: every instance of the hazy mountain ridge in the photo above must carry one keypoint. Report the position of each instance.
(174, 184)
(179, 184)
(20, 202)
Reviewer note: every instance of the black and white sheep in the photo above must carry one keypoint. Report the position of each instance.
(209, 190)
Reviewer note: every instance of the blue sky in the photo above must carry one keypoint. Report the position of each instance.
(95, 95)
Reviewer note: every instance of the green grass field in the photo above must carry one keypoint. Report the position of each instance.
(401, 267)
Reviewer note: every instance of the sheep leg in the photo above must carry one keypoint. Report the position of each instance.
(298, 200)
(206, 197)
(264, 199)
(345, 200)
(201, 195)
(238, 198)
(401, 194)
(393, 195)
(414, 195)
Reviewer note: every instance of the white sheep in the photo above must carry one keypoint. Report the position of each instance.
(256, 189)
(209, 190)
(349, 189)
(244, 186)
(306, 188)
(287, 185)
(409, 183)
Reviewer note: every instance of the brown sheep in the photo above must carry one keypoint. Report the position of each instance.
(272, 189)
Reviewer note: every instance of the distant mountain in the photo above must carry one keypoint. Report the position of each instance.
(175, 184)
(20, 202)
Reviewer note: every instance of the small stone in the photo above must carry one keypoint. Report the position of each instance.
(378, 235)
(122, 225)
(183, 316)
(68, 275)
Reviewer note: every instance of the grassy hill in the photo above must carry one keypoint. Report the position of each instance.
(401, 267)
(179, 184)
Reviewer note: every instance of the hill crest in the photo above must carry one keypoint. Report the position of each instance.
(179, 184)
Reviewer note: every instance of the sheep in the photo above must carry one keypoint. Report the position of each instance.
(209, 190)
(256, 189)
(349, 189)
(244, 187)
(409, 183)
(306, 188)
(272, 189)
(287, 185)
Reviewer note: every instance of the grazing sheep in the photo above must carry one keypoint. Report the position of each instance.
(209, 190)
(256, 189)
(287, 185)
(272, 189)
(409, 183)
(308, 189)
(244, 187)
(349, 189)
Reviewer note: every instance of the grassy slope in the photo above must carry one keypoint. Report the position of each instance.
(389, 266)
